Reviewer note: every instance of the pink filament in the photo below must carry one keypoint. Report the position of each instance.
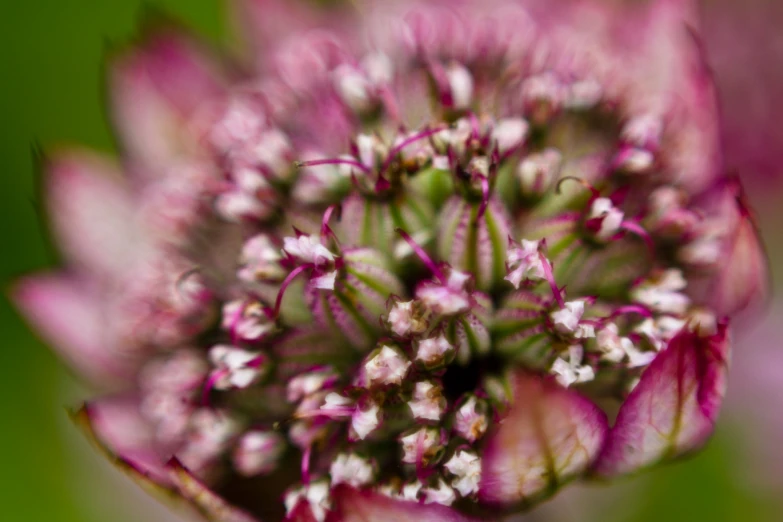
(326, 230)
(210, 384)
(306, 464)
(427, 260)
(550, 277)
(484, 197)
(631, 309)
(412, 139)
(294, 273)
(585, 184)
(335, 161)
(637, 229)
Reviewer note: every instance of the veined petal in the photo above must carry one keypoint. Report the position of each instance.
(672, 410)
(69, 315)
(91, 211)
(363, 506)
(550, 435)
(156, 90)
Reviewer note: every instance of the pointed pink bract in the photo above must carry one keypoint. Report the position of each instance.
(672, 410)
(550, 435)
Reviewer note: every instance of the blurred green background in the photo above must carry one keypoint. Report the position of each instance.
(51, 54)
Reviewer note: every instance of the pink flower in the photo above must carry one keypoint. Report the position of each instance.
(393, 270)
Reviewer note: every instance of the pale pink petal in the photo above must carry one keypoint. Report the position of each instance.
(550, 435)
(363, 506)
(69, 315)
(672, 410)
(156, 92)
(91, 211)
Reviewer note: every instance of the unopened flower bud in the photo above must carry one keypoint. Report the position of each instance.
(572, 371)
(604, 219)
(258, 452)
(386, 366)
(237, 368)
(428, 402)
(441, 493)
(407, 318)
(423, 447)
(538, 171)
(471, 419)
(434, 352)
(466, 468)
(351, 469)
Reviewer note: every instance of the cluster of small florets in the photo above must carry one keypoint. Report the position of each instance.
(381, 296)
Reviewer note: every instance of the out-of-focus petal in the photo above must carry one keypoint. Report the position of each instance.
(265, 24)
(550, 435)
(743, 275)
(755, 381)
(744, 46)
(116, 425)
(69, 315)
(672, 410)
(648, 54)
(363, 506)
(156, 90)
(91, 211)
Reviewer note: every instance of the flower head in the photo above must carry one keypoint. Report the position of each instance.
(406, 269)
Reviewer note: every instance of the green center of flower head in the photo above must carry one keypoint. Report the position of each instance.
(384, 296)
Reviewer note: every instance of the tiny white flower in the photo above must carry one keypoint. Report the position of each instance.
(434, 350)
(572, 371)
(351, 469)
(388, 366)
(466, 467)
(611, 218)
(461, 85)
(365, 421)
(510, 133)
(441, 494)
(428, 402)
(235, 367)
(525, 263)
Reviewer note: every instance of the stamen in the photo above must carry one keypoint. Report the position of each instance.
(334, 161)
(326, 230)
(411, 139)
(214, 377)
(294, 273)
(426, 259)
(631, 309)
(306, 455)
(485, 188)
(638, 230)
(583, 182)
(550, 277)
